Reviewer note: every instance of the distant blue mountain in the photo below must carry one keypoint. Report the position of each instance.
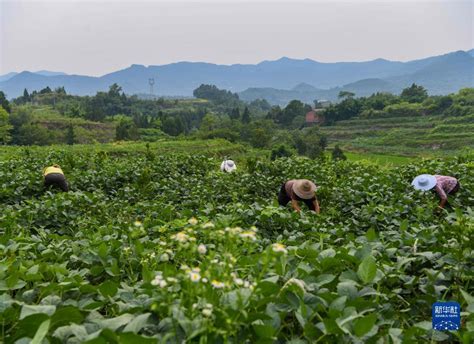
(49, 73)
(40, 72)
(274, 79)
(7, 76)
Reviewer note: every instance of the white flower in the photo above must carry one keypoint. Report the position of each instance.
(204, 280)
(181, 237)
(248, 235)
(209, 305)
(138, 223)
(193, 221)
(164, 257)
(279, 248)
(208, 225)
(299, 283)
(202, 249)
(238, 281)
(233, 230)
(207, 312)
(246, 284)
(171, 279)
(152, 255)
(194, 276)
(159, 281)
(217, 284)
(126, 250)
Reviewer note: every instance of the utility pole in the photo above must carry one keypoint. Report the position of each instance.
(151, 82)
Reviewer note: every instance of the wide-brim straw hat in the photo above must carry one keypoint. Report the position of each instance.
(424, 182)
(304, 188)
(228, 166)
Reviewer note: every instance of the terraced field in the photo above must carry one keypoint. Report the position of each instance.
(428, 135)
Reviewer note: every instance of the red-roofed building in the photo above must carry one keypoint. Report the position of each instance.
(314, 116)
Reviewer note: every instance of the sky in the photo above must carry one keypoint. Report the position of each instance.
(98, 37)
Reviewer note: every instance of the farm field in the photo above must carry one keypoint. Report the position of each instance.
(408, 136)
(154, 244)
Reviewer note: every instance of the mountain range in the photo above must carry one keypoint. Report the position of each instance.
(277, 81)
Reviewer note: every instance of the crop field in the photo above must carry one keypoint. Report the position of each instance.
(409, 136)
(154, 246)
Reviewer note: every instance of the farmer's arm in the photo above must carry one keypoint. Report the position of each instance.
(316, 205)
(442, 196)
(295, 205)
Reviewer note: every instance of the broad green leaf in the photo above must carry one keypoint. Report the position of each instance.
(41, 332)
(27, 310)
(364, 325)
(264, 331)
(348, 289)
(132, 338)
(115, 323)
(65, 316)
(108, 289)
(469, 298)
(371, 235)
(137, 323)
(324, 279)
(367, 269)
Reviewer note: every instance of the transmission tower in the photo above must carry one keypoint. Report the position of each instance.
(151, 82)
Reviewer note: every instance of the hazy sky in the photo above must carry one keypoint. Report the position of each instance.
(97, 37)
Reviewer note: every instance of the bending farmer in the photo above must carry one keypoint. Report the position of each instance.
(443, 185)
(53, 175)
(228, 166)
(296, 190)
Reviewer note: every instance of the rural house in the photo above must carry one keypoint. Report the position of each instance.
(313, 117)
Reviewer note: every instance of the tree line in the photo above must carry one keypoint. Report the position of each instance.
(216, 113)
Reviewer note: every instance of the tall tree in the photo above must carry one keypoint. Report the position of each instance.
(5, 127)
(26, 96)
(345, 95)
(414, 94)
(246, 116)
(4, 103)
(70, 135)
(235, 113)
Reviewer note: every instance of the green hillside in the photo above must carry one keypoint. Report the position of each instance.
(429, 135)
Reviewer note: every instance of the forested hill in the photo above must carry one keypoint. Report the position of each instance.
(272, 79)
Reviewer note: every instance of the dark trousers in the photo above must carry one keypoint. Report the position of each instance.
(283, 199)
(56, 179)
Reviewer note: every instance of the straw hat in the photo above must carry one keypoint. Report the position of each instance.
(424, 182)
(228, 166)
(304, 188)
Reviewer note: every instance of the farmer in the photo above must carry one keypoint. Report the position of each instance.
(228, 166)
(296, 190)
(53, 175)
(442, 185)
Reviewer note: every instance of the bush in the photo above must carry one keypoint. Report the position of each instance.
(281, 151)
(338, 154)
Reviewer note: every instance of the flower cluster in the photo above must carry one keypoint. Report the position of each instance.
(279, 248)
(159, 280)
